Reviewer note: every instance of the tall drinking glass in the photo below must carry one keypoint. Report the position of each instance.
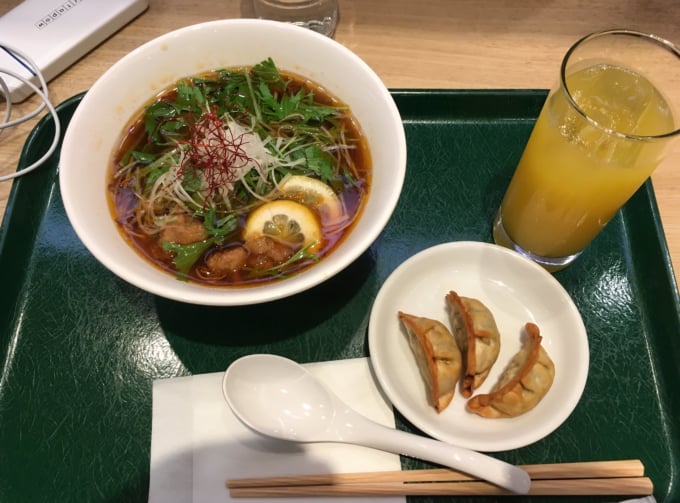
(601, 133)
(318, 15)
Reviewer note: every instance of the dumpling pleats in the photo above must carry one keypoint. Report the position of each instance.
(437, 356)
(522, 385)
(474, 327)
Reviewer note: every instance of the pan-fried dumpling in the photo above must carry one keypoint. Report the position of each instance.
(523, 384)
(437, 356)
(474, 327)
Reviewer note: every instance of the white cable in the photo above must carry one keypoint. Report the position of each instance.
(8, 108)
(24, 60)
(43, 94)
(57, 130)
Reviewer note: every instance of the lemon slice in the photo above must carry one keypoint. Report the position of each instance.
(314, 193)
(286, 221)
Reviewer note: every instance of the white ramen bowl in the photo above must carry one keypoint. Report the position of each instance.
(122, 91)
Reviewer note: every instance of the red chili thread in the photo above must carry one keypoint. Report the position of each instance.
(215, 152)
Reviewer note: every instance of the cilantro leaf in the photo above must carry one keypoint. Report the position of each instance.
(187, 255)
(269, 105)
(267, 72)
(320, 162)
(142, 157)
(219, 227)
(155, 114)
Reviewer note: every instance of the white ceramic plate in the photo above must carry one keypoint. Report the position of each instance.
(516, 291)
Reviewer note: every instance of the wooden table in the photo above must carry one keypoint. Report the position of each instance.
(414, 44)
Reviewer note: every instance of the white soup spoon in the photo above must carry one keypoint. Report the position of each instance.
(279, 398)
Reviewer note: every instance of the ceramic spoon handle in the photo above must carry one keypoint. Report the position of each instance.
(362, 431)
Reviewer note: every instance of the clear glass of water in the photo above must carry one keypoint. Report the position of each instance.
(318, 15)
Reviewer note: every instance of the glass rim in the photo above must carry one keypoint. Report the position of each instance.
(292, 4)
(660, 41)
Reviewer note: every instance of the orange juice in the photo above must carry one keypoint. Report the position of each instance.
(575, 173)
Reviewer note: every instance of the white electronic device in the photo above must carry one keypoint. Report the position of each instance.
(56, 33)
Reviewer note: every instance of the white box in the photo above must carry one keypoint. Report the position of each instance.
(56, 33)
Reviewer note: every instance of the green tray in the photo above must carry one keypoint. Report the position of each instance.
(80, 347)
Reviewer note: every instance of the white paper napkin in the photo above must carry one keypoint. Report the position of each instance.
(197, 443)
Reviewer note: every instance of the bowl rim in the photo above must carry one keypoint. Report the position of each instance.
(195, 293)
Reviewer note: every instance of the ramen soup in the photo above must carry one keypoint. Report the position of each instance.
(239, 176)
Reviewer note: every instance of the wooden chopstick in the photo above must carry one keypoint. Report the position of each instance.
(589, 469)
(628, 486)
(621, 477)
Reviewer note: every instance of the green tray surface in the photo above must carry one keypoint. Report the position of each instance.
(79, 347)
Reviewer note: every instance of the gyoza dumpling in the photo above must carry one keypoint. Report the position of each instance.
(437, 356)
(523, 384)
(474, 327)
